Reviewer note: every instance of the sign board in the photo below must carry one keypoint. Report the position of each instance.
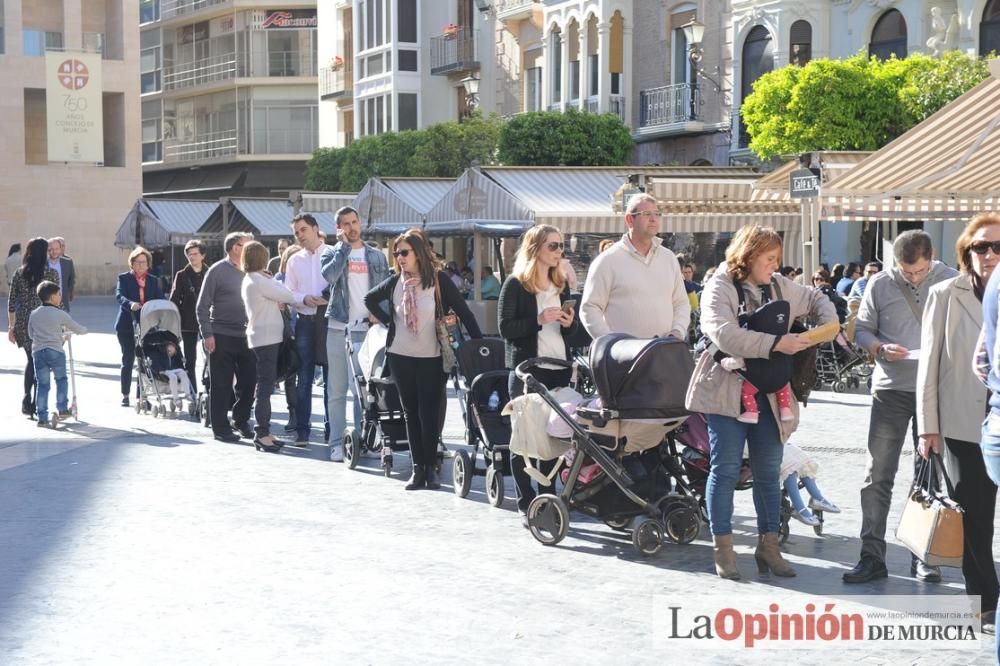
(289, 19)
(803, 183)
(74, 107)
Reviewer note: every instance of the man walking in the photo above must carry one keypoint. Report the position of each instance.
(222, 319)
(63, 265)
(275, 263)
(351, 268)
(888, 325)
(636, 286)
(304, 279)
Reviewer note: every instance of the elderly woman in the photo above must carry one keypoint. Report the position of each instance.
(184, 294)
(951, 401)
(21, 301)
(135, 287)
(752, 258)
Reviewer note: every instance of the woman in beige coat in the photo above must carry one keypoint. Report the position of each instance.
(951, 401)
(752, 260)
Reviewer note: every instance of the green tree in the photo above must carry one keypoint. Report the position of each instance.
(323, 170)
(378, 155)
(452, 147)
(572, 138)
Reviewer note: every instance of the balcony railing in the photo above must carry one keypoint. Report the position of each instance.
(616, 105)
(455, 52)
(666, 105)
(280, 141)
(513, 9)
(206, 70)
(335, 82)
(171, 8)
(291, 63)
(201, 147)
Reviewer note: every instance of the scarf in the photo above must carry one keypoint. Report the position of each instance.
(410, 303)
(978, 288)
(142, 286)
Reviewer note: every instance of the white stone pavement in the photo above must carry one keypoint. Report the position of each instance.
(132, 540)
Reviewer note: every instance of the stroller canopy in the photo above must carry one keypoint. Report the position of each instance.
(641, 378)
(159, 314)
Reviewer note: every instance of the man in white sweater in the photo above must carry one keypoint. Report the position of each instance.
(636, 286)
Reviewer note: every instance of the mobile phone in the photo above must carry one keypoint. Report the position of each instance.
(569, 305)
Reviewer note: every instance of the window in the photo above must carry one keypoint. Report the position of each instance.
(533, 89)
(616, 83)
(149, 10)
(375, 65)
(595, 74)
(407, 21)
(94, 41)
(801, 41)
(556, 68)
(407, 60)
(407, 111)
(376, 115)
(680, 60)
(574, 79)
(374, 21)
(149, 61)
(152, 131)
(989, 29)
(889, 36)
(758, 59)
(36, 42)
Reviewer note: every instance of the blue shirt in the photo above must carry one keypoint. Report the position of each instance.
(490, 287)
(991, 308)
(844, 286)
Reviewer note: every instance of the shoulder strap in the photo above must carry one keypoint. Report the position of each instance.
(777, 289)
(438, 305)
(910, 300)
(741, 309)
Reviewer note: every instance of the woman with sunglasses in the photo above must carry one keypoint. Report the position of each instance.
(536, 319)
(951, 402)
(412, 348)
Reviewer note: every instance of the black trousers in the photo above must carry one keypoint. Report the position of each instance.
(421, 386)
(29, 374)
(977, 494)
(127, 342)
(267, 369)
(552, 379)
(231, 358)
(190, 341)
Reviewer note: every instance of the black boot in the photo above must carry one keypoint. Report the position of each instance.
(433, 483)
(418, 478)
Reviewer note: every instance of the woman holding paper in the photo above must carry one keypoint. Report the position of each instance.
(951, 401)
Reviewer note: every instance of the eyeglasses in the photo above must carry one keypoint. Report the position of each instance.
(982, 247)
(401, 253)
(553, 246)
(647, 214)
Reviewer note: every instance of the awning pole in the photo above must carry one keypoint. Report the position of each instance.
(477, 258)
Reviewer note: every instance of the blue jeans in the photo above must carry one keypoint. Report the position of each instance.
(305, 342)
(726, 436)
(340, 376)
(792, 487)
(46, 360)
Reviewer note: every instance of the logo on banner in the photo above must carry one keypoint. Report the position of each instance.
(287, 20)
(73, 74)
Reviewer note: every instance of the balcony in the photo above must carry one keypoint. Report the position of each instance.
(173, 8)
(199, 72)
(616, 105)
(513, 10)
(455, 52)
(207, 146)
(336, 83)
(674, 109)
(291, 63)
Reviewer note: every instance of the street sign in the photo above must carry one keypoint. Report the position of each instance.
(803, 183)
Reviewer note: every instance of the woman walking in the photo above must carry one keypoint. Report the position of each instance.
(535, 320)
(752, 258)
(21, 301)
(184, 294)
(135, 287)
(951, 402)
(263, 297)
(418, 294)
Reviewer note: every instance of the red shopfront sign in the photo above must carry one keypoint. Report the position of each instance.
(289, 19)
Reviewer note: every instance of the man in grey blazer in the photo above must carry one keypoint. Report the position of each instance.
(63, 265)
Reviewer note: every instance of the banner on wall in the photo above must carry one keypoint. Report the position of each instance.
(289, 19)
(73, 107)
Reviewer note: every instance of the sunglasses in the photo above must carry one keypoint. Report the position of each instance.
(982, 247)
(553, 246)
(401, 253)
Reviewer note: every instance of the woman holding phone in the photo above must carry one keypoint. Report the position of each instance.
(536, 317)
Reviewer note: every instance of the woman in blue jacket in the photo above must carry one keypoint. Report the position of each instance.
(135, 288)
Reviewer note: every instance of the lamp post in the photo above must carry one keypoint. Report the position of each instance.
(694, 33)
(471, 85)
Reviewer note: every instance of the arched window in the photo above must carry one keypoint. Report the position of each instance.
(989, 29)
(801, 41)
(758, 59)
(889, 36)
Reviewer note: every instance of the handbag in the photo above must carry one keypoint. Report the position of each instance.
(289, 361)
(932, 526)
(442, 323)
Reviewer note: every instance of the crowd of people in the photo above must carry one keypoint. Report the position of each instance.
(930, 329)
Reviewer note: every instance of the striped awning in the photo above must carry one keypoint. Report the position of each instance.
(326, 202)
(477, 204)
(715, 189)
(832, 164)
(155, 223)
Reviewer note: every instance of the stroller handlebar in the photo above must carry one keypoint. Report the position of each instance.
(524, 367)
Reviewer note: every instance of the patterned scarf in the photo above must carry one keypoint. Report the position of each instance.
(141, 280)
(410, 303)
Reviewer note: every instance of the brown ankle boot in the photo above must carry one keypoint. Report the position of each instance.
(725, 557)
(768, 556)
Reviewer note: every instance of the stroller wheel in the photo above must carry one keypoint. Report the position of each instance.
(548, 519)
(494, 486)
(461, 474)
(818, 529)
(647, 537)
(352, 448)
(683, 524)
(620, 524)
(783, 531)
(387, 466)
(839, 386)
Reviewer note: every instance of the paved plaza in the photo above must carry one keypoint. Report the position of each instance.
(126, 539)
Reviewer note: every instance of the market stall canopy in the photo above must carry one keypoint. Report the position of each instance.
(324, 202)
(264, 218)
(475, 204)
(390, 206)
(944, 168)
(155, 223)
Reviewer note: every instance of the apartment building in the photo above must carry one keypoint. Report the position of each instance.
(80, 198)
(229, 96)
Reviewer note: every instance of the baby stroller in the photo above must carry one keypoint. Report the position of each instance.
(158, 328)
(482, 387)
(841, 364)
(641, 386)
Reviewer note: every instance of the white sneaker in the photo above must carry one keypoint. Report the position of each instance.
(337, 453)
(823, 505)
(804, 516)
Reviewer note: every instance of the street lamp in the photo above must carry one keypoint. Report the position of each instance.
(694, 32)
(471, 85)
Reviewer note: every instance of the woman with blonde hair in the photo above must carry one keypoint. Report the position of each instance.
(752, 259)
(536, 317)
(263, 297)
(417, 294)
(951, 401)
(134, 289)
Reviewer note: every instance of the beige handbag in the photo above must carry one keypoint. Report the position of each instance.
(932, 526)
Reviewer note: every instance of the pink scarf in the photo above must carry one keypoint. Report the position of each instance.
(410, 303)
(141, 280)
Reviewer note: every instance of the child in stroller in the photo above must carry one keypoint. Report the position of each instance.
(797, 466)
(166, 363)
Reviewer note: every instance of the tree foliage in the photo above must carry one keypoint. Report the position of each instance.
(451, 148)
(572, 138)
(323, 170)
(853, 104)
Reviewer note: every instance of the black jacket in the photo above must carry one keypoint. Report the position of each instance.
(451, 299)
(517, 314)
(187, 286)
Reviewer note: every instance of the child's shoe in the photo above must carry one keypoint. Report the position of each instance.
(823, 505)
(42, 424)
(806, 516)
(785, 414)
(747, 417)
